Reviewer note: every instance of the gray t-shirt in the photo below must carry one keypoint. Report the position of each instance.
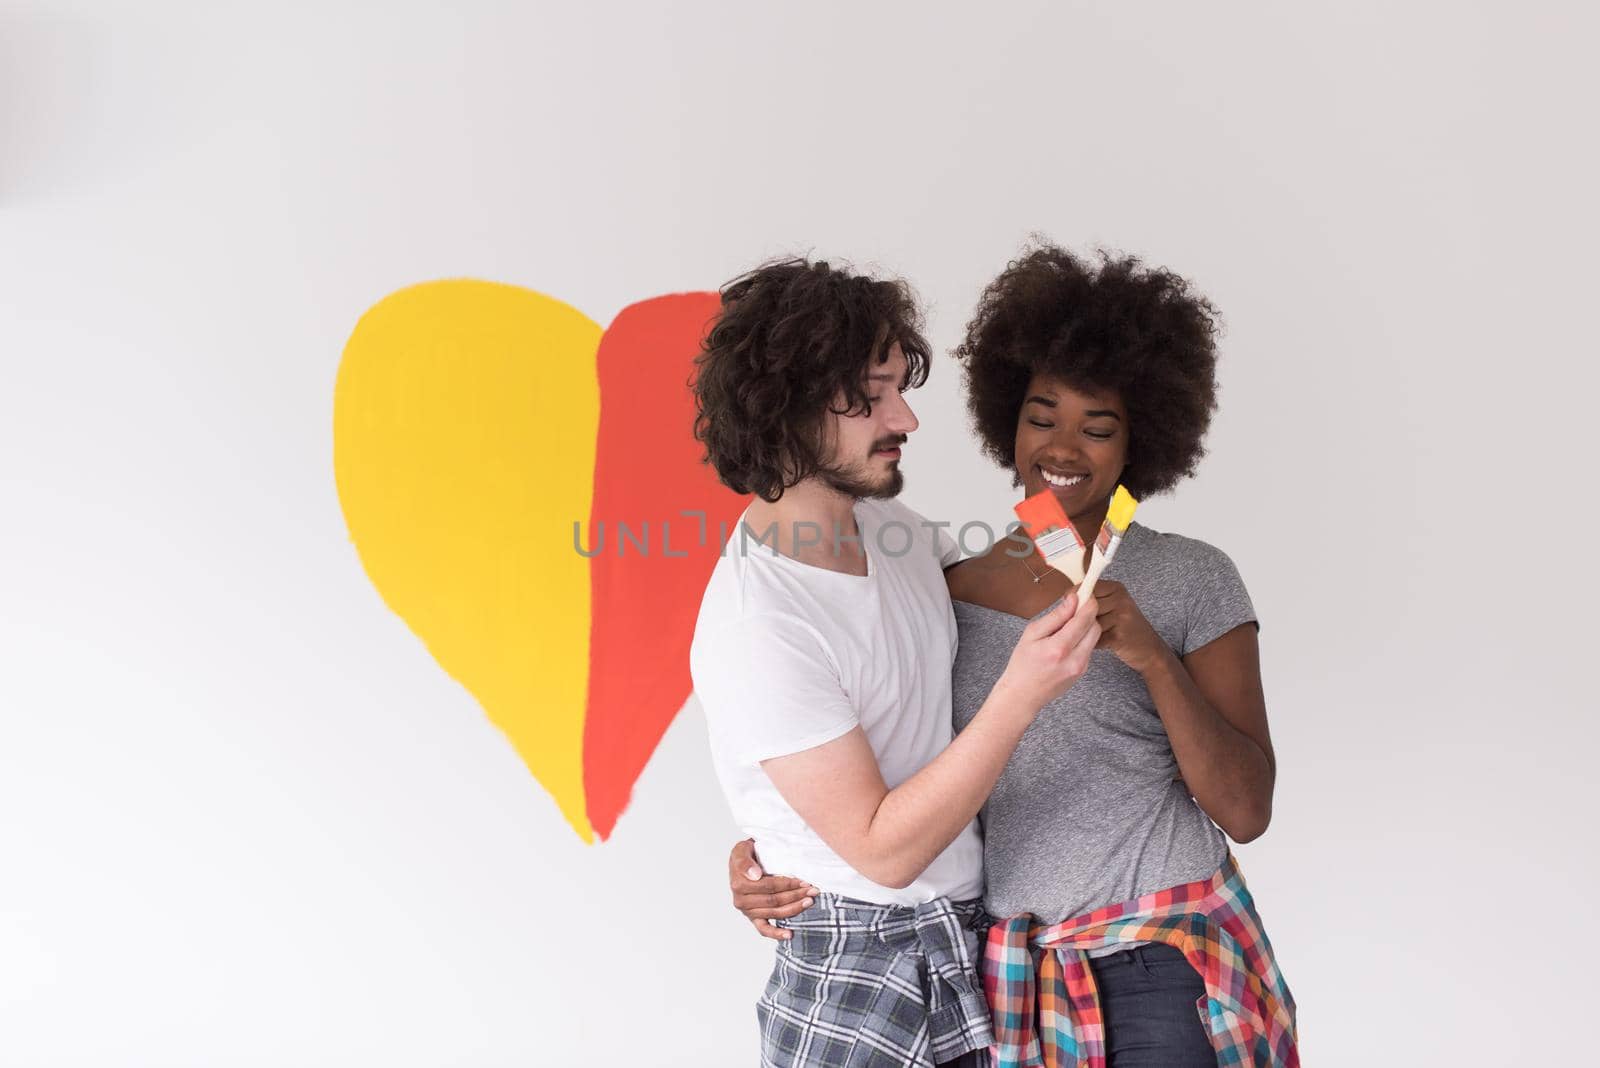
(1089, 811)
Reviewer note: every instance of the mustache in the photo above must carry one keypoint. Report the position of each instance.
(890, 443)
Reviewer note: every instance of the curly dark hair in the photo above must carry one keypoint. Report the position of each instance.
(1118, 325)
(791, 336)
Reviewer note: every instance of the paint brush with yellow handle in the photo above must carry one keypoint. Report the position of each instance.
(1053, 535)
(1118, 516)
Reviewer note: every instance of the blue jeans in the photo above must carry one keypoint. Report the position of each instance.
(1148, 995)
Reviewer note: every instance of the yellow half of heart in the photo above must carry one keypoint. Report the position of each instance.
(465, 419)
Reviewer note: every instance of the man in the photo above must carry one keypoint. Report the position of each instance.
(822, 657)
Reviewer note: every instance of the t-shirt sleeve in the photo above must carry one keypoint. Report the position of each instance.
(1218, 600)
(769, 687)
(945, 546)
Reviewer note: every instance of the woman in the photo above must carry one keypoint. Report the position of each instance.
(1106, 839)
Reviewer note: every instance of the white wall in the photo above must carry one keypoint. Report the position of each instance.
(244, 818)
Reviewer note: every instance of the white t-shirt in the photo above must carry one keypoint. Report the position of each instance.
(787, 656)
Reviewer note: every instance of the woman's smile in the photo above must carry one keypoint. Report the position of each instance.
(1062, 478)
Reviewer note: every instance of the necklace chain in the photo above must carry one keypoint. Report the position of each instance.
(1037, 578)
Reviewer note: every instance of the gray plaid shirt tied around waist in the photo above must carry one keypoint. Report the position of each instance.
(861, 985)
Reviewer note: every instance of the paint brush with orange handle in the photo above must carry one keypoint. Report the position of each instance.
(1053, 535)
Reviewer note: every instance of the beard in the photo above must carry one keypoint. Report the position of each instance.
(857, 480)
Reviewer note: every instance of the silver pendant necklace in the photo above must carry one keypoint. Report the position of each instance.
(1037, 578)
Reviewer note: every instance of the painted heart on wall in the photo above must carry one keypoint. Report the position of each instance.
(524, 490)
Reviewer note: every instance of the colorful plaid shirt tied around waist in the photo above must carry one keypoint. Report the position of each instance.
(1042, 993)
(861, 985)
